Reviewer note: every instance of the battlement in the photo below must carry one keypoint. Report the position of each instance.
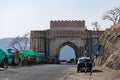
(67, 23)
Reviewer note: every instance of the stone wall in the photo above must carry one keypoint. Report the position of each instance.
(68, 25)
(57, 42)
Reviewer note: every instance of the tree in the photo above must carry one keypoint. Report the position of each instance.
(96, 25)
(112, 15)
(20, 43)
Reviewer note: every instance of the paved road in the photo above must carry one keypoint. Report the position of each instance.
(41, 72)
(99, 73)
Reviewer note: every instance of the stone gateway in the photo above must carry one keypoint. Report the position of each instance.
(62, 33)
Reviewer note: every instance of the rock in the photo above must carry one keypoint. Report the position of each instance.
(110, 39)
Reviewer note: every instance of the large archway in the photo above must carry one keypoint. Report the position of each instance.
(72, 45)
(67, 53)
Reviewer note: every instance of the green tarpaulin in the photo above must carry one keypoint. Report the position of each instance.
(9, 55)
(26, 53)
(3, 53)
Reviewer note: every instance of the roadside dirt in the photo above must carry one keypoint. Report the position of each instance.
(99, 73)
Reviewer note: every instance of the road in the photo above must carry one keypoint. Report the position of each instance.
(99, 73)
(41, 72)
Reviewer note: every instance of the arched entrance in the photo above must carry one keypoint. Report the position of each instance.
(67, 53)
(69, 44)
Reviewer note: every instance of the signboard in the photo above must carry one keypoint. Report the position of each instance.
(98, 50)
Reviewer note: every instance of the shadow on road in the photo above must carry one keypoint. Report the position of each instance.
(97, 71)
(93, 71)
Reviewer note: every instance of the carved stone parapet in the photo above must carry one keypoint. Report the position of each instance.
(73, 23)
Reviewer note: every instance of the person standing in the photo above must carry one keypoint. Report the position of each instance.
(5, 62)
(13, 61)
(18, 57)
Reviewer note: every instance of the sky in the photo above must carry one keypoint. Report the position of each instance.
(66, 53)
(18, 17)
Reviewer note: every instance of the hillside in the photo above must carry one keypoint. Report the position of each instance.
(111, 42)
(4, 43)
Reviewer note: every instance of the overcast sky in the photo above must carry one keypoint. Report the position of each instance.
(18, 17)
